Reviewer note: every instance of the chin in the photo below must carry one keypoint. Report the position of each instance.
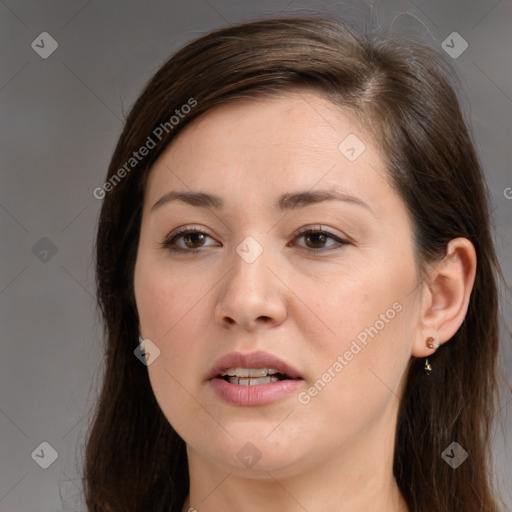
(254, 457)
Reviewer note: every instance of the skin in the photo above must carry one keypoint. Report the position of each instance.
(334, 453)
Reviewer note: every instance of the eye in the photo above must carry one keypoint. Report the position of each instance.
(194, 239)
(318, 237)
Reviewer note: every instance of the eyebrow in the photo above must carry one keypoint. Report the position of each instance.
(285, 202)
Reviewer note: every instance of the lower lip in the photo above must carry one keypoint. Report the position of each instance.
(260, 394)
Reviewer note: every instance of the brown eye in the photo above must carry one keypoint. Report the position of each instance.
(317, 238)
(193, 240)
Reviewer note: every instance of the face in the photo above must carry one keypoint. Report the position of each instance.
(324, 290)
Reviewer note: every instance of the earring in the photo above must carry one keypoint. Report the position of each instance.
(432, 343)
(141, 344)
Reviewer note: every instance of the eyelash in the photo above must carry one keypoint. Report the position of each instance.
(168, 243)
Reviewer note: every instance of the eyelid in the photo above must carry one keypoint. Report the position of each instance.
(320, 227)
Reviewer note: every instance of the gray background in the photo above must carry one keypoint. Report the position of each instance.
(60, 119)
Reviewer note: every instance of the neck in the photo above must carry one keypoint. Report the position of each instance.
(284, 495)
(355, 478)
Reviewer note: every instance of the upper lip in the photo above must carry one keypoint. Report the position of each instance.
(252, 360)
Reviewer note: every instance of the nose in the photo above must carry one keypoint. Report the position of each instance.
(251, 296)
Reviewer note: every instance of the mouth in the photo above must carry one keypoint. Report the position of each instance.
(253, 379)
(252, 376)
(249, 369)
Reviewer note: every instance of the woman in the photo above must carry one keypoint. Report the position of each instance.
(295, 227)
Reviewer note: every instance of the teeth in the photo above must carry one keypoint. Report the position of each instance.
(252, 382)
(248, 372)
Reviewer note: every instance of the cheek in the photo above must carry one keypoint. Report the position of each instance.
(167, 298)
(358, 301)
(357, 381)
(359, 362)
(170, 308)
(164, 321)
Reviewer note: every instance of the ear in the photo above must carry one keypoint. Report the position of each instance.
(445, 296)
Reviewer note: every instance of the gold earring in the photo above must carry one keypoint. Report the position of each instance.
(432, 343)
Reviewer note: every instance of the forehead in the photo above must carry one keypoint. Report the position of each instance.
(289, 140)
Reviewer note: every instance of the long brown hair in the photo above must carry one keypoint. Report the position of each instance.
(404, 93)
